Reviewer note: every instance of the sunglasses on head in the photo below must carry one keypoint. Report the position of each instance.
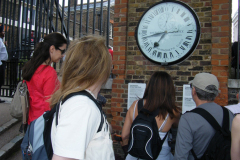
(62, 51)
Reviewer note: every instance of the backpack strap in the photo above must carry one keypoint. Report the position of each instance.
(85, 93)
(140, 104)
(135, 110)
(164, 137)
(164, 123)
(212, 121)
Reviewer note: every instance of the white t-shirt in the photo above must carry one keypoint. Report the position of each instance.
(3, 52)
(235, 108)
(78, 122)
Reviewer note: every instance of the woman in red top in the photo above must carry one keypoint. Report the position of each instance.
(41, 78)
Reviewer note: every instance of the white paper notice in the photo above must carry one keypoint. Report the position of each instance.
(187, 103)
(135, 91)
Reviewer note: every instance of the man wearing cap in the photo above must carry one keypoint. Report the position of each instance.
(3, 58)
(194, 132)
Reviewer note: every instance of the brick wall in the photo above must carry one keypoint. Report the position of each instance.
(119, 87)
(211, 55)
(221, 44)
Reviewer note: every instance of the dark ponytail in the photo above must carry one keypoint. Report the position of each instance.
(41, 53)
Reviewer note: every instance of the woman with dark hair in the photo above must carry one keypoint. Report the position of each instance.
(159, 94)
(40, 77)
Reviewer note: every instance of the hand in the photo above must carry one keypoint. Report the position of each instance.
(5, 43)
(166, 20)
(174, 31)
(162, 37)
(155, 34)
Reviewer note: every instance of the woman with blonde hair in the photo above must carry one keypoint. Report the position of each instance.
(159, 96)
(86, 68)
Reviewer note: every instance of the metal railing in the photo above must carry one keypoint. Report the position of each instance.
(26, 21)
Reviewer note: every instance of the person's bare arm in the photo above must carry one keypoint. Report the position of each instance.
(235, 133)
(128, 122)
(56, 157)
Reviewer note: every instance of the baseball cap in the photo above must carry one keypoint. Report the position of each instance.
(1, 29)
(202, 80)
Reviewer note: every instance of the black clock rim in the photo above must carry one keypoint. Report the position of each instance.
(195, 44)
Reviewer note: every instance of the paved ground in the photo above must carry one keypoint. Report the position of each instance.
(10, 137)
(9, 130)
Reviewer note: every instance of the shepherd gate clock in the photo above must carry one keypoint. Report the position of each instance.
(168, 32)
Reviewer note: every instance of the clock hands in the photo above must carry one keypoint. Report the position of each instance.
(166, 20)
(162, 37)
(156, 44)
(160, 33)
(154, 34)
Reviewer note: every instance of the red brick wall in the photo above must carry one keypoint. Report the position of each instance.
(118, 106)
(211, 55)
(221, 44)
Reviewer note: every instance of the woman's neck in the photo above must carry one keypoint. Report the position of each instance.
(94, 89)
(47, 62)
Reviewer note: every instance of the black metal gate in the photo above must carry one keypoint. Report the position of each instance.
(26, 21)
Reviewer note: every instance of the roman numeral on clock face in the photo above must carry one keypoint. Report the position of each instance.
(189, 37)
(182, 48)
(144, 33)
(186, 43)
(154, 53)
(145, 27)
(165, 55)
(159, 55)
(149, 49)
(150, 16)
(146, 44)
(155, 12)
(161, 10)
(183, 14)
(178, 11)
(186, 19)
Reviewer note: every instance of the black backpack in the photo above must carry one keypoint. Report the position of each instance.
(36, 144)
(220, 145)
(144, 141)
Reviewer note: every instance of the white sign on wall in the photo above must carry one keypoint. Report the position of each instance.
(187, 103)
(135, 91)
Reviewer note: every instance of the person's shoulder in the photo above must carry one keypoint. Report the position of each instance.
(81, 101)
(236, 121)
(77, 99)
(49, 69)
(237, 118)
(133, 105)
(1, 43)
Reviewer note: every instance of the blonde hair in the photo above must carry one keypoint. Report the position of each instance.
(87, 62)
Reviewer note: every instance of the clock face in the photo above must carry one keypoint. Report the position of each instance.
(168, 32)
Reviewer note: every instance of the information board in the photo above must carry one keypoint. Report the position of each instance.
(187, 103)
(135, 91)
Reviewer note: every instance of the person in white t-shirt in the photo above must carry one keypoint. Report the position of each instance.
(3, 58)
(235, 108)
(87, 66)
